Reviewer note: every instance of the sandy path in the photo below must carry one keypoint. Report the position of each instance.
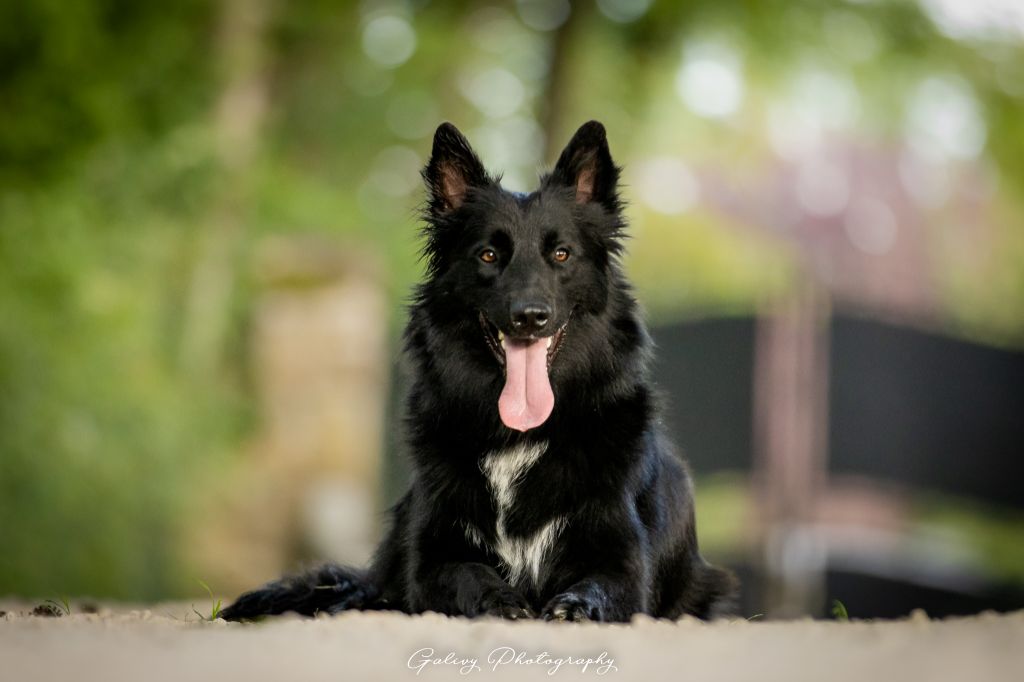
(159, 644)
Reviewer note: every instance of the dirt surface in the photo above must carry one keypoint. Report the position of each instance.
(169, 642)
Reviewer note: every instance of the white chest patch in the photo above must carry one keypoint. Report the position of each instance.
(523, 556)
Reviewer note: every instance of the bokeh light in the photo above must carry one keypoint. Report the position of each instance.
(623, 11)
(710, 80)
(389, 40)
(943, 118)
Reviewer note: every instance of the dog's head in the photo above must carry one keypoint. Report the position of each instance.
(523, 268)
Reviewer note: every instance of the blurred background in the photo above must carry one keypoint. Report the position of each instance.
(208, 234)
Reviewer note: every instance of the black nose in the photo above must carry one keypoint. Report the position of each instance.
(529, 318)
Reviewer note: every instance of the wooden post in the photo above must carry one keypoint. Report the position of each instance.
(307, 487)
(790, 441)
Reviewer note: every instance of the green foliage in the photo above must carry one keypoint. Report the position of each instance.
(64, 605)
(214, 604)
(77, 74)
(991, 533)
(839, 610)
(101, 433)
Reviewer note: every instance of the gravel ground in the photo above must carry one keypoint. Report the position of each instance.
(169, 642)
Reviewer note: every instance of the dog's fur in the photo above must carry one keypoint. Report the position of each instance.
(588, 515)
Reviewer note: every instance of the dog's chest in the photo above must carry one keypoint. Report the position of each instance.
(522, 555)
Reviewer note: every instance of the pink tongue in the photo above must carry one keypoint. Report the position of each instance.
(527, 400)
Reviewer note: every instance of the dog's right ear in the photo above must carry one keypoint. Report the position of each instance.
(452, 170)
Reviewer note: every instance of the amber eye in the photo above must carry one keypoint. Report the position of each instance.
(488, 256)
(561, 254)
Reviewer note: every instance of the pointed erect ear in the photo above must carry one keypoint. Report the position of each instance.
(586, 166)
(452, 170)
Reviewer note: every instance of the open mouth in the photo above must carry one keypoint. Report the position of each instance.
(527, 400)
(497, 341)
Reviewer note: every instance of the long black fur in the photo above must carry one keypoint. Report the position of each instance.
(627, 543)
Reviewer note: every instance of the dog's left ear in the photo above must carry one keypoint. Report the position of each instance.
(586, 166)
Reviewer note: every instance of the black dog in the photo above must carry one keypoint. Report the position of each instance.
(542, 481)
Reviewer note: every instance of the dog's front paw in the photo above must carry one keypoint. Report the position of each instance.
(507, 604)
(572, 607)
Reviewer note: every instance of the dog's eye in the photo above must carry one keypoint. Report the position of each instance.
(561, 254)
(488, 256)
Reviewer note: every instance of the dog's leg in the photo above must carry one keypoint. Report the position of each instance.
(449, 575)
(598, 598)
(470, 589)
(607, 597)
(328, 588)
(606, 574)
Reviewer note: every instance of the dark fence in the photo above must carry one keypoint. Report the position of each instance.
(927, 410)
(704, 371)
(916, 408)
(904, 405)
